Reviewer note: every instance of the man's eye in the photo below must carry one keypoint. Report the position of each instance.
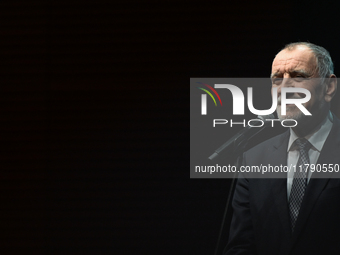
(299, 78)
(277, 81)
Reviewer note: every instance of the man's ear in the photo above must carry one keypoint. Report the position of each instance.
(331, 87)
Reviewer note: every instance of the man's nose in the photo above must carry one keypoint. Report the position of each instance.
(287, 81)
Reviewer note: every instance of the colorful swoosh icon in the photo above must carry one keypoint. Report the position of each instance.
(213, 90)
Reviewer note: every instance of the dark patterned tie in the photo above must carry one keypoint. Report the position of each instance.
(300, 180)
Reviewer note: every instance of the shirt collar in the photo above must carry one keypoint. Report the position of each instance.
(318, 138)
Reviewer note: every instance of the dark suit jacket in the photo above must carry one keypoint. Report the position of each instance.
(261, 223)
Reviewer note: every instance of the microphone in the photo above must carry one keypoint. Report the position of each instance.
(236, 144)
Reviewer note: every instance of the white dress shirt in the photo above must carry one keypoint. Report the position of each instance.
(317, 139)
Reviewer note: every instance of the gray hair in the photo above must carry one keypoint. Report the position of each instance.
(323, 58)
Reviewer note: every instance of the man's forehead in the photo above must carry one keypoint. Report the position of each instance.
(288, 60)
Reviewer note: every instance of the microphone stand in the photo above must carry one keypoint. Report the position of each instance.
(235, 146)
(238, 163)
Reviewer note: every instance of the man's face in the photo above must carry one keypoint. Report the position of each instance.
(298, 68)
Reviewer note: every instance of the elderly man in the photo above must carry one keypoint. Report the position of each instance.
(298, 212)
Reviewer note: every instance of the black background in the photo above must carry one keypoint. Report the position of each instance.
(95, 116)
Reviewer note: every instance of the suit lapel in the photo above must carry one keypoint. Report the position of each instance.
(281, 203)
(279, 185)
